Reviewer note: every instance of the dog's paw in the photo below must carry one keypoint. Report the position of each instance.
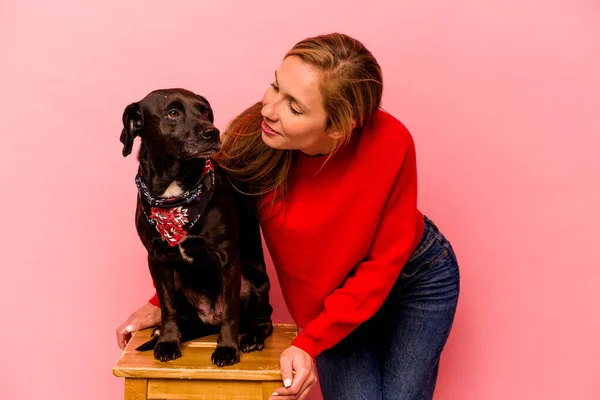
(252, 342)
(223, 356)
(166, 351)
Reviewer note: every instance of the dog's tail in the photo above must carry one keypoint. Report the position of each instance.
(150, 344)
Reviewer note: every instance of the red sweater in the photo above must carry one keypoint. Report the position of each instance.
(342, 234)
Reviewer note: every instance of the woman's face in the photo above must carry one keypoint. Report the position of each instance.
(294, 116)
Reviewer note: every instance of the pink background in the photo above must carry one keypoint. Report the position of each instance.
(502, 100)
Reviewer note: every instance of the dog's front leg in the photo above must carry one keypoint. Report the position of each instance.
(227, 351)
(167, 347)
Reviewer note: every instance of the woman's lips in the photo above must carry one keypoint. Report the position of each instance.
(267, 129)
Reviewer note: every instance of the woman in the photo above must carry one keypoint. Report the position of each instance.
(370, 280)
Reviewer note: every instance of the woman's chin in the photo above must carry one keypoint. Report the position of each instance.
(272, 141)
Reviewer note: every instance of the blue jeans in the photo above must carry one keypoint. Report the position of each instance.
(395, 354)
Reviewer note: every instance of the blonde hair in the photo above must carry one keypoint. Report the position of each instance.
(351, 87)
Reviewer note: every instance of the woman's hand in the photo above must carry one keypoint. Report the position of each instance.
(146, 316)
(297, 386)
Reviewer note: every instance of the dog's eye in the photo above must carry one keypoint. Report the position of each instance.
(173, 113)
(204, 111)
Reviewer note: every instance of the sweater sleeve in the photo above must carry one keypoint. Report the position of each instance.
(365, 289)
(154, 299)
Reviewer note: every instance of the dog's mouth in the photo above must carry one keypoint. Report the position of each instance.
(206, 154)
(201, 153)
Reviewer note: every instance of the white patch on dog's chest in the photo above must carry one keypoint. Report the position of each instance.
(173, 190)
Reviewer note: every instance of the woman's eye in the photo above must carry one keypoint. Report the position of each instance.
(293, 110)
(173, 113)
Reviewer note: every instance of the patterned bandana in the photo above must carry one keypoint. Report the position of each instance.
(173, 217)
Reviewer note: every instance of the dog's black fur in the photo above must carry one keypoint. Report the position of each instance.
(211, 282)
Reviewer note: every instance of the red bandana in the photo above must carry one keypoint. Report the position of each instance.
(173, 217)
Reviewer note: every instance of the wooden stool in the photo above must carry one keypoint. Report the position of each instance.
(193, 376)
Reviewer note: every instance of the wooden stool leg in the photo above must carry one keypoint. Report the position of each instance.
(136, 389)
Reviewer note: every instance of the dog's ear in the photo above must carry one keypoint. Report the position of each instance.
(133, 120)
(210, 115)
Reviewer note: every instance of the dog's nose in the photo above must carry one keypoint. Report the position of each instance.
(210, 133)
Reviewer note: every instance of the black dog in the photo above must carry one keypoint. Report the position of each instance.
(203, 239)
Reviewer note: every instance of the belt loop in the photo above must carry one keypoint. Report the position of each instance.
(436, 230)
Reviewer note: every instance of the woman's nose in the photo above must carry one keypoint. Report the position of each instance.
(269, 109)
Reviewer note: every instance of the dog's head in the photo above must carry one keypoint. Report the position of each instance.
(172, 122)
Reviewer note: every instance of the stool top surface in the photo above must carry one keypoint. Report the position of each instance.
(195, 360)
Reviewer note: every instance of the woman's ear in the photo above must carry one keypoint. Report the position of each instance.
(337, 135)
